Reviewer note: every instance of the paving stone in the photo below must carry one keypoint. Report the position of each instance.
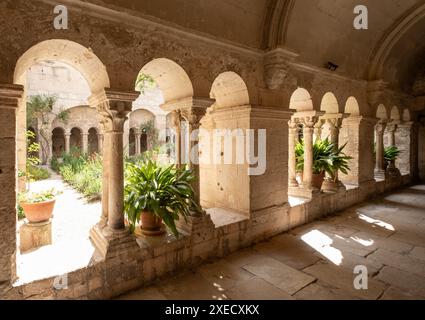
(290, 251)
(398, 294)
(190, 286)
(341, 278)
(149, 293)
(323, 291)
(418, 253)
(375, 242)
(280, 275)
(402, 262)
(411, 283)
(224, 275)
(257, 289)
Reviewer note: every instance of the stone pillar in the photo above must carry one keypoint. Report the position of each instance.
(379, 149)
(194, 114)
(404, 141)
(100, 143)
(317, 134)
(85, 137)
(10, 96)
(391, 129)
(334, 125)
(113, 106)
(105, 175)
(137, 136)
(176, 123)
(292, 141)
(67, 142)
(308, 153)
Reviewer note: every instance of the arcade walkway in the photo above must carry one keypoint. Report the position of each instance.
(317, 261)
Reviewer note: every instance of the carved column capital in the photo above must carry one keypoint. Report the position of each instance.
(114, 107)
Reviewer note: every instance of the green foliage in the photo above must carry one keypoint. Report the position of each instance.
(82, 172)
(20, 211)
(144, 82)
(326, 158)
(37, 173)
(163, 191)
(391, 153)
(37, 197)
(39, 107)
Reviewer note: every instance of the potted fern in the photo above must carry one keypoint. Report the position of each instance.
(327, 158)
(156, 195)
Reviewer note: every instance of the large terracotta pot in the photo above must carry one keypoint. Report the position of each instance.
(150, 224)
(38, 212)
(318, 180)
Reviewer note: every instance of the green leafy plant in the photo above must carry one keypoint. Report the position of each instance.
(166, 192)
(37, 197)
(326, 158)
(144, 82)
(391, 153)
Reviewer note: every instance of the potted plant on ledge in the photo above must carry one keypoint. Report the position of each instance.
(326, 159)
(155, 195)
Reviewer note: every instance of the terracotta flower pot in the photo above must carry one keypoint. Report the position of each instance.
(150, 224)
(318, 180)
(38, 212)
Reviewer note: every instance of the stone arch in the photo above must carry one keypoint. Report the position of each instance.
(93, 140)
(170, 77)
(381, 112)
(229, 90)
(395, 113)
(406, 115)
(329, 103)
(76, 138)
(58, 142)
(140, 116)
(352, 107)
(81, 58)
(301, 100)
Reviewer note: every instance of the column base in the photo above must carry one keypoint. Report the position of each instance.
(380, 174)
(110, 242)
(35, 235)
(302, 192)
(194, 223)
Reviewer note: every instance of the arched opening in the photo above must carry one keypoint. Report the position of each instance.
(301, 100)
(229, 90)
(132, 143)
(352, 107)
(93, 140)
(58, 142)
(68, 73)
(76, 139)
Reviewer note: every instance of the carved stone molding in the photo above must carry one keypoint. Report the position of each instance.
(10, 95)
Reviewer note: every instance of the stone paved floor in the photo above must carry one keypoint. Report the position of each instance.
(71, 248)
(316, 261)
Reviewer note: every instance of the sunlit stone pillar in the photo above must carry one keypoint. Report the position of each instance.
(379, 149)
(10, 99)
(317, 134)
(113, 107)
(308, 153)
(404, 141)
(292, 141)
(176, 123)
(67, 141)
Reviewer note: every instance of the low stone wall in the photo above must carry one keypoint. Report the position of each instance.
(155, 258)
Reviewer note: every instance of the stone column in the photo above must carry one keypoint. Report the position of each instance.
(292, 141)
(404, 141)
(194, 116)
(137, 136)
(391, 129)
(105, 175)
(67, 142)
(10, 96)
(85, 137)
(379, 149)
(100, 143)
(334, 125)
(176, 123)
(308, 153)
(318, 130)
(113, 106)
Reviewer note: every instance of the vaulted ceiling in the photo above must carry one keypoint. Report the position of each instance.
(393, 48)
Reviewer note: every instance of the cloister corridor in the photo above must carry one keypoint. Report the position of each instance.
(386, 234)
